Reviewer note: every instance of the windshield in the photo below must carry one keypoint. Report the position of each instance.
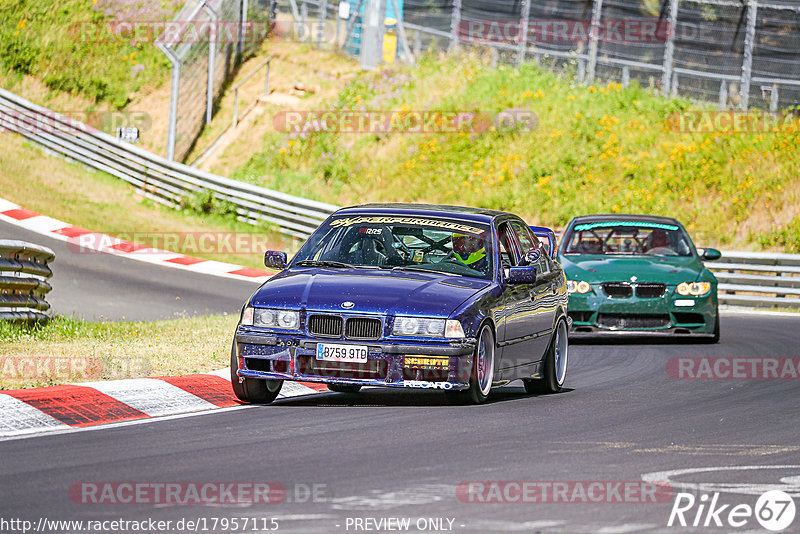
(402, 243)
(628, 238)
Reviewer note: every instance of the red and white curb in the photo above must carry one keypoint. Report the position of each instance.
(87, 240)
(58, 408)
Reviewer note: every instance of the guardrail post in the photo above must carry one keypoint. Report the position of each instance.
(242, 29)
(626, 76)
(523, 31)
(173, 98)
(747, 60)
(401, 33)
(455, 23)
(594, 35)
(723, 94)
(773, 98)
(669, 47)
(303, 19)
(212, 52)
(323, 17)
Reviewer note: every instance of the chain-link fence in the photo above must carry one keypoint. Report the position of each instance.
(205, 43)
(736, 53)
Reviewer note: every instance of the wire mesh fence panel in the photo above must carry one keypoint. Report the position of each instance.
(632, 42)
(775, 55)
(704, 50)
(212, 35)
(709, 38)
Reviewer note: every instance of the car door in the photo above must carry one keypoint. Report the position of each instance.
(544, 293)
(517, 332)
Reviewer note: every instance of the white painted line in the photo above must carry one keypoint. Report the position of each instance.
(295, 389)
(788, 484)
(42, 224)
(99, 242)
(6, 205)
(70, 430)
(152, 396)
(624, 529)
(17, 418)
(730, 310)
(224, 373)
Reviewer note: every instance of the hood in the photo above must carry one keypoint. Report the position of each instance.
(671, 270)
(371, 291)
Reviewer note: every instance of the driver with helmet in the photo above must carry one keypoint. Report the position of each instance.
(470, 249)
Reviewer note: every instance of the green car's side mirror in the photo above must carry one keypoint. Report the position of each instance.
(711, 254)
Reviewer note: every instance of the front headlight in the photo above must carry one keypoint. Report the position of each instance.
(284, 319)
(695, 289)
(421, 326)
(575, 286)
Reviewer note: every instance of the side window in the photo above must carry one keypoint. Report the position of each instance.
(508, 255)
(529, 242)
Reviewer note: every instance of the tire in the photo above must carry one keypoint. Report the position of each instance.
(555, 363)
(480, 382)
(252, 390)
(344, 388)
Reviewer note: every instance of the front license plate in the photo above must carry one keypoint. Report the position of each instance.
(342, 353)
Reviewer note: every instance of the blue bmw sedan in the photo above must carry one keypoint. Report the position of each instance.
(412, 296)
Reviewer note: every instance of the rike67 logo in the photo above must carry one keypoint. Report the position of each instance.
(774, 510)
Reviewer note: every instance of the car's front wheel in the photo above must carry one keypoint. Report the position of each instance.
(252, 390)
(555, 364)
(344, 388)
(480, 383)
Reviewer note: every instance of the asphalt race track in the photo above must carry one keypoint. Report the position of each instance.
(384, 454)
(103, 286)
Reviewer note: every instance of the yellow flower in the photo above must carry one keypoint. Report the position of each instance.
(570, 97)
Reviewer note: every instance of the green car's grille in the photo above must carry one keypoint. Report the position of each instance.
(650, 290)
(621, 320)
(618, 290)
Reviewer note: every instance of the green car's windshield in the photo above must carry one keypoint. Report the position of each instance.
(411, 243)
(628, 238)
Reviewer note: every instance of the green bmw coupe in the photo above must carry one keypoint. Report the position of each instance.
(638, 274)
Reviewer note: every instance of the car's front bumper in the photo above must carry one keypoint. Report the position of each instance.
(389, 364)
(597, 314)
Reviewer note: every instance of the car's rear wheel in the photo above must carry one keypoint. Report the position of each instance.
(480, 383)
(252, 390)
(344, 388)
(555, 364)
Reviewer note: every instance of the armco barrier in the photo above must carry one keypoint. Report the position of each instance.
(157, 178)
(758, 279)
(23, 280)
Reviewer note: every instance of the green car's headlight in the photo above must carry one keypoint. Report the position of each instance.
(575, 286)
(694, 289)
(285, 319)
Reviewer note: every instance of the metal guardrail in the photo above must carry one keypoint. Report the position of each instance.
(161, 180)
(23, 280)
(758, 279)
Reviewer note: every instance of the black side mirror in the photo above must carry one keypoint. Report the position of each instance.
(274, 259)
(711, 254)
(521, 275)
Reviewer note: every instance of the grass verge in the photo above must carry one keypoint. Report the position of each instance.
(67, 350)
(597, 148)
